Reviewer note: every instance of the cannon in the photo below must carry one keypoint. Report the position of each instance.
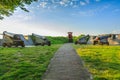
(103, 39)
(11, 39)
(82, 40)
(40, 40)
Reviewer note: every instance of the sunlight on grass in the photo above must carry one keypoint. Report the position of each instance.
(102, 61)
(25, 63)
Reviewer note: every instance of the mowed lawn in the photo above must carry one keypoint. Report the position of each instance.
(28, 63)
(102, 61)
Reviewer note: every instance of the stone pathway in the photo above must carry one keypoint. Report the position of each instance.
(66, 65)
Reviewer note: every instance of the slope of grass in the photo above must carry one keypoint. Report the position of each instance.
(102, 61)
(58, 39)
(25, 63)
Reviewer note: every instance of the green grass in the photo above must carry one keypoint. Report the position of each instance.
(25, 63)
(102, 61)
(58, 39)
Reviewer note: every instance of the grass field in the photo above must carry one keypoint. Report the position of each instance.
(102, 61)
(25, 63)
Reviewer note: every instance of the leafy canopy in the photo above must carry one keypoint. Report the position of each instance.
(7, 7)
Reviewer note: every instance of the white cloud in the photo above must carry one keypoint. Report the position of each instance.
(87, 13)
(62, 3)
(82, 3)
(103, 8)
(43, 4)
(92, 12)
(23, 17)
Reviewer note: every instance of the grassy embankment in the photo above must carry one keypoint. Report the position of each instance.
(58, 39)
(102, 61)
(25, 63)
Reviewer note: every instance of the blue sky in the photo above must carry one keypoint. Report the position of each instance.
(57, 17)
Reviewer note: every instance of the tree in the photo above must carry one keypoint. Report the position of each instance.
(7, 7)
(78, 37)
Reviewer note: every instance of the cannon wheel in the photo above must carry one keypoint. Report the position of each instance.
(4, 44)
(22, 45)
(42, 44)
(107, 43)
(94, 43)
(9, 45)
(49, 43)
(76, 42)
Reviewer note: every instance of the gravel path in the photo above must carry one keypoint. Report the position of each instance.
(66, 65)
